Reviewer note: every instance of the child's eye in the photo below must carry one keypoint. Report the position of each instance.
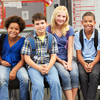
(42, 23)
(37, 23)
(64, 16)
(16, 28)
(58, 15)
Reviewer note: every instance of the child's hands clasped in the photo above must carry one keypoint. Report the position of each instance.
(66, 65)
(44, 69)
(88, 67)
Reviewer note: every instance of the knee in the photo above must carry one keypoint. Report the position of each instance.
(38, 86)
(56, 82)
(3, 80)
(24, 79)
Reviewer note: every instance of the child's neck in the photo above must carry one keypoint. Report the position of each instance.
(40, 34)
(88, 34)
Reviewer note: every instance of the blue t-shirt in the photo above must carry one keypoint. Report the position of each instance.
(61, 41)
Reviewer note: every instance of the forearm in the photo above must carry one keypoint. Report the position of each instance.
(52, 61)
(70, 56)
(31, 63)
(96, 60)
(80, 57)
(59, 60)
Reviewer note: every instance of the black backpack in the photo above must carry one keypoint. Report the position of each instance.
(1, 41)
(95, 38)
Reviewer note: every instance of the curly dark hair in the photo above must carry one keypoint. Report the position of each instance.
(15, 19)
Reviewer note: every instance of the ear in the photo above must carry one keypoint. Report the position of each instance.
(82, 22)
(33, 26)
(46, 23)
(94, 22)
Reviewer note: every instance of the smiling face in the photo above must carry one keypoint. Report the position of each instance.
(13, 30)
(88, 23)
(60, 18)
(40, 26)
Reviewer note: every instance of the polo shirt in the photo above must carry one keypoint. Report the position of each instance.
(88, 52)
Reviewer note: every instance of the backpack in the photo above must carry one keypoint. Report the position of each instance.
(67, 34)
(1, 41)
(33, 43)
(95, 38)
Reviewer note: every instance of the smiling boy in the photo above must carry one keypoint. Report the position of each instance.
(88, 57)
(41, 65)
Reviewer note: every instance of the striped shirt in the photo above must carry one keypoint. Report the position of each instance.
(41, 57)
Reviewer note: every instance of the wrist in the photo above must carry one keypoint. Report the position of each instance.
(0, 61)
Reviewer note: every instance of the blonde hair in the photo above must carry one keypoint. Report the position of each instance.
(65, 26)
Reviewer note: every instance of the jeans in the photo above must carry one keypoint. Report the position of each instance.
(69, 79)
(37, 80)
(22, 76)
(89, 81)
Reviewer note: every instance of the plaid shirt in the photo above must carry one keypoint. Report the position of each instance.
(41, 56)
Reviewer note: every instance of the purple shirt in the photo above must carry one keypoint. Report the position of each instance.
(61, 41)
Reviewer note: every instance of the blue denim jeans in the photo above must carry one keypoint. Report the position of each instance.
(69, 79)
(22, 76)
(37, 80)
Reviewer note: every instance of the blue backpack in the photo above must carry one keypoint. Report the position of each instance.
(33, 43)
(67, 34)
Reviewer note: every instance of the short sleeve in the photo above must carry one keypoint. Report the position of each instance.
(77, 44)
(54, 46)
(98, 47)
(71, 31)
(26, 48)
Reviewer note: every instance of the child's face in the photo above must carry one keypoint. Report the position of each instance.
(88, 23)
(13, 30)
(60, 18)
(40, 26)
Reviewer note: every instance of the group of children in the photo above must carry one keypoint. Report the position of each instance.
(51, 63)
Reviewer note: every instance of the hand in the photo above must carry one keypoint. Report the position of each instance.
(5, 63)
(89, 68)
(12, 75)
(64, 63)
(69, 67)
(85, 66)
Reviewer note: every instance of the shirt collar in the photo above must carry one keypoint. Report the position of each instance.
(85, 35)
(35, 35)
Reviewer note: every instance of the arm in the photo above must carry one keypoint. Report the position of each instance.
(16, 68)
(31, 63)
(51, 63)
(4, 63)
(70, 52)
(96, 60)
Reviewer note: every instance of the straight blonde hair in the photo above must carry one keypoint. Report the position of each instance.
(65, 26)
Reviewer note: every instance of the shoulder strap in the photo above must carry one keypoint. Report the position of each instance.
(96, 39)
(1, 41)
(81, 37)
(49, 45)
(32, 43)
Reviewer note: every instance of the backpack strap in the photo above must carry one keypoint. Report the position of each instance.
(96, 39)
(81, 37)
(49, 45)
(1, 41)
(32, 43)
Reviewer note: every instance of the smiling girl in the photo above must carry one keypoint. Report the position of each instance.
(67, 68)
(11, 59)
